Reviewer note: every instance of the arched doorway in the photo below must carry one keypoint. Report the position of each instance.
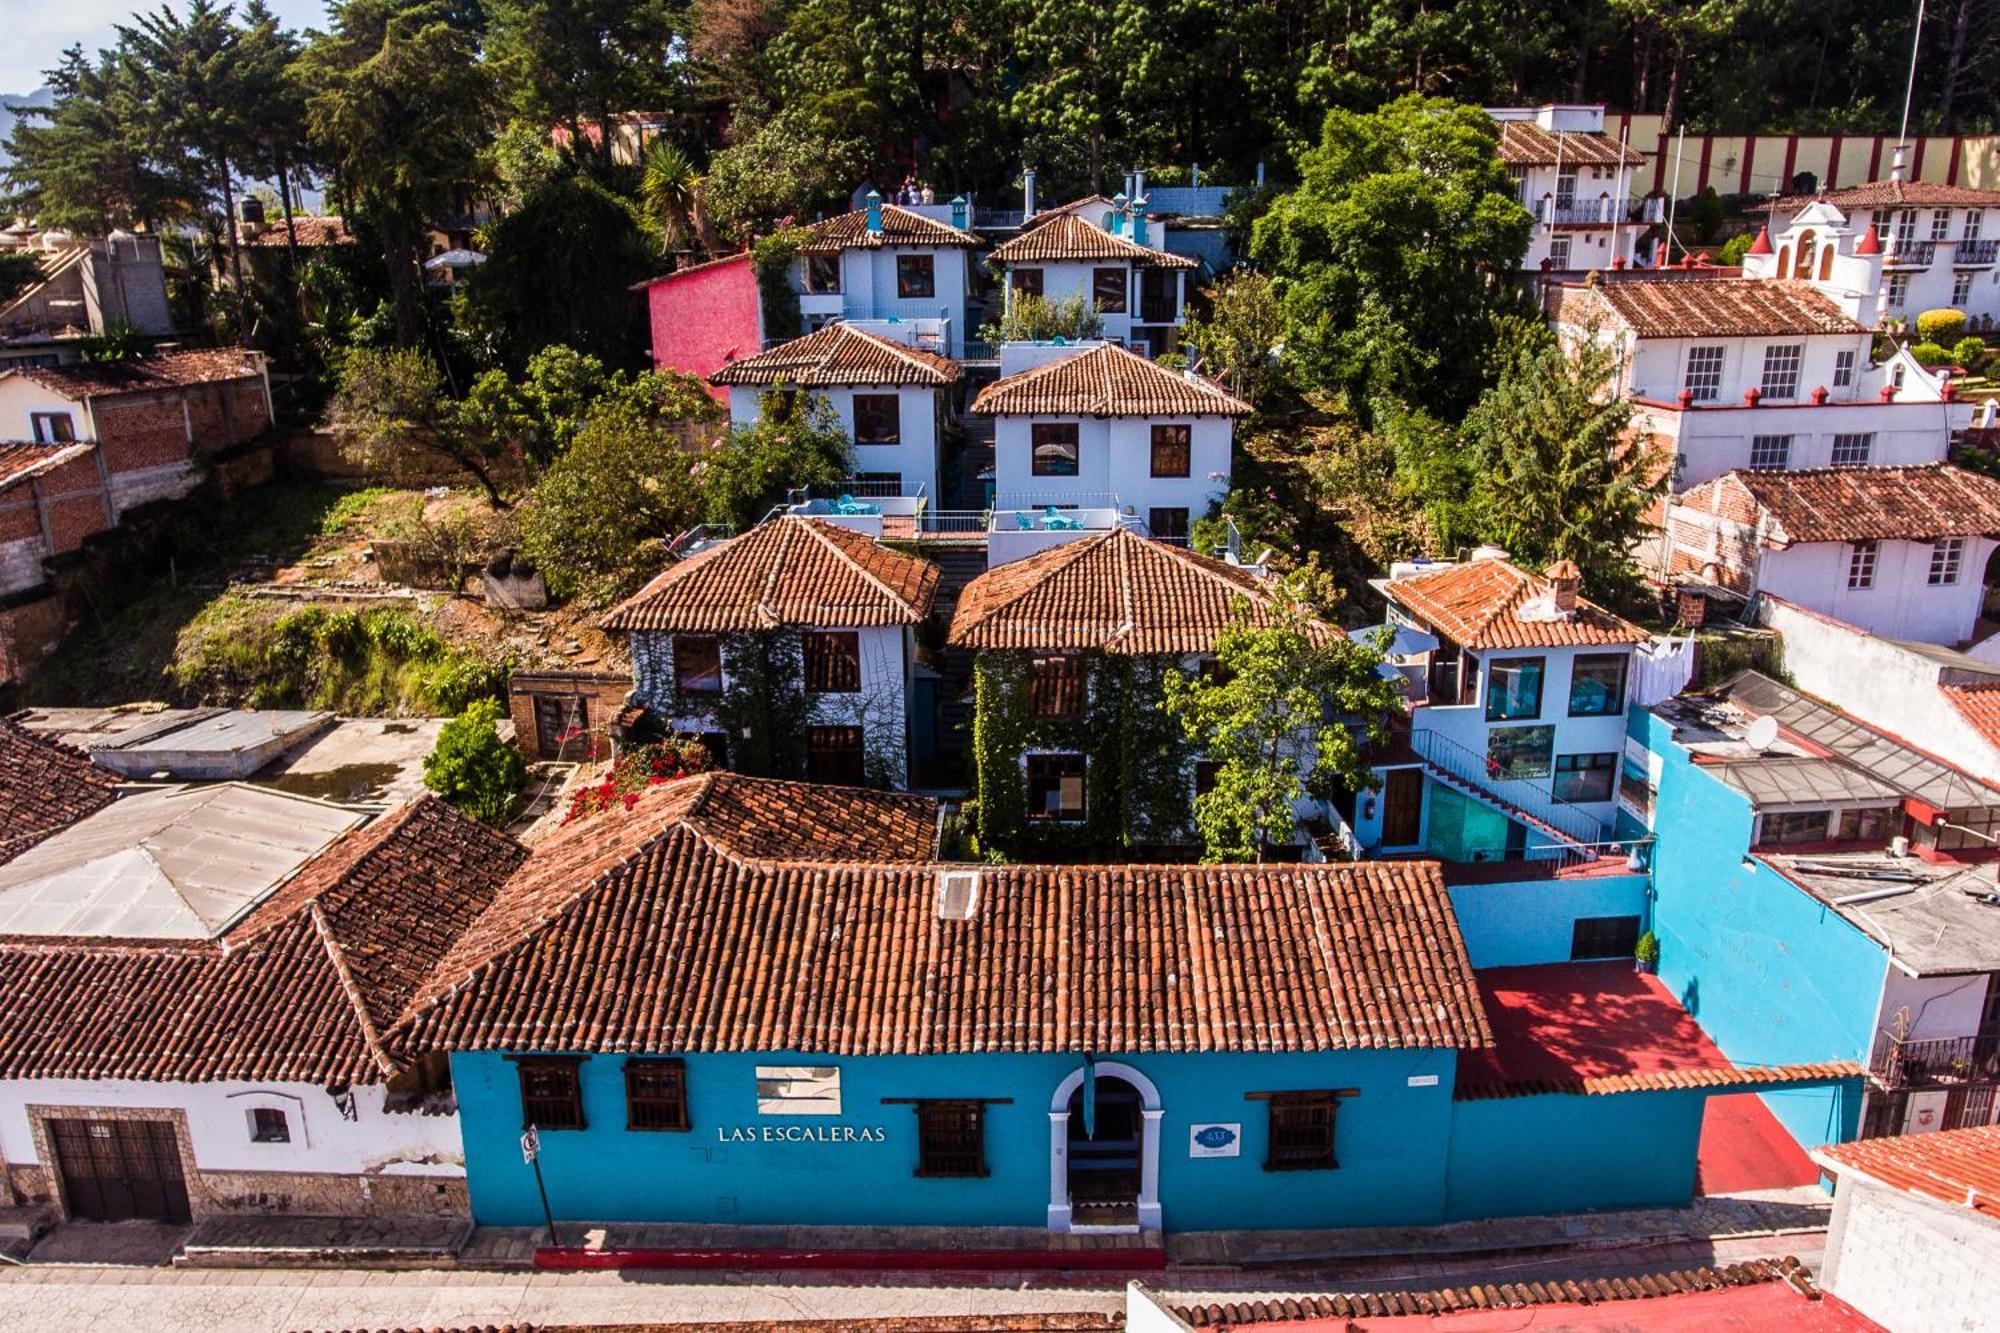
(1108, 1180)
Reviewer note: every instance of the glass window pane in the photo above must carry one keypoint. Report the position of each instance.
(1597, 685)
(1514, 689)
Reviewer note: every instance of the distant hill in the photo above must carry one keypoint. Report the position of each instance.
(39, 97)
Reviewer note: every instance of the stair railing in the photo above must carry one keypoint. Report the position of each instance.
(1477, 771)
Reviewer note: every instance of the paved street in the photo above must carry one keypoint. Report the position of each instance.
(164, 1300)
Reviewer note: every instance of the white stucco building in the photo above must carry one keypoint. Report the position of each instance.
(838, 610)
(1578, 182)
(1092, 425)
(1139, 290)
(1888, 249)
(886, 262)
(1727, 373)
(1900, 552)
(892, 398)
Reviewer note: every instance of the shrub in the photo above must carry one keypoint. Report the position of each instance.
(1930, 354)
(1969, 352)
(1941, 326)
(1734, 249)
(634, 771)
(1031, 318)
(474, 769)
(1704, 215)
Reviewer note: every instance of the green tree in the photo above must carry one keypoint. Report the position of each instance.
(1560, 477)
(1391, 257)
(780, 167)
(1032, 318)
(1286, 715)
(797, 442)
(393, 410)
(1238, 338)
(575, 63)
(400, 108)
(598, 520)
(474, 769)
(83, 162)
(675, 197)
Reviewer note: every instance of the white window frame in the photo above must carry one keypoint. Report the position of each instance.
(1853, 449)
(1941, 224)
(1902, 227)
(1975, 223)
(1764, 445)
(1783, 363)
(1896, 291)
(1703, 376)
(1559, 252)
(1947, 562)
(1961, 288)
(1843, 368)
(1861, 565)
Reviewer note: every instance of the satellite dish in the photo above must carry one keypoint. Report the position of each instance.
(1763, 733)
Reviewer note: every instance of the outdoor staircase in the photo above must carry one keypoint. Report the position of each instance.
(1579, 836)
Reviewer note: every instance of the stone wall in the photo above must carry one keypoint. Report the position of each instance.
(1910, 1262)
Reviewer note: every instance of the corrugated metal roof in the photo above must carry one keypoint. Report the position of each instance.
(1780, 780)
(177, 863)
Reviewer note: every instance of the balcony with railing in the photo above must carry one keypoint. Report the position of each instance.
(1932, 1062)
(1910, 254)
(1976, 254)
(1484, 778)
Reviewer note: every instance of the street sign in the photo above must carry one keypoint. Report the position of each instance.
(531, 1145)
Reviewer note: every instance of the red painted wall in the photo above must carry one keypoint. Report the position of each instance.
(705, 317)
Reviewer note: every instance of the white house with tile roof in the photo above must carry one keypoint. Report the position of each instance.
(1092, 424)
(1728, 373)
(1139, 290)
(889, 263)
(893, 399)
(1578, 182)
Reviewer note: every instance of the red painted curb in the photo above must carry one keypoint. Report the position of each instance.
(572, 1258)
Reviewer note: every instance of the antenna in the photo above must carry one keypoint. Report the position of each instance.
(1762, 733)
(1910, 86)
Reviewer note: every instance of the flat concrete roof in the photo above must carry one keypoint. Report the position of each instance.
(1935, 919)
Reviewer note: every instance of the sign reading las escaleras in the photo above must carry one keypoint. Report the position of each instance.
(801, 1134)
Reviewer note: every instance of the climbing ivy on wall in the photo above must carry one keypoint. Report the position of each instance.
(771, 256)
(764, 709)
(1136, 791)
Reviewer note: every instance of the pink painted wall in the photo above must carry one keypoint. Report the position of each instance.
(705, 317)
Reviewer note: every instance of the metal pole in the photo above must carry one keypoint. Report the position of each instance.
(1674, 190)
(1910, 86)
(547, 1215)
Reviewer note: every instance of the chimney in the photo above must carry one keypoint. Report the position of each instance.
(1896, 163)
(874, 213)
(1194, 176)
(1028, 192)
(958, 212)
(1564, 579)
(1138, 184)
(1139, 221)
(1115, 221)
(1260, 174)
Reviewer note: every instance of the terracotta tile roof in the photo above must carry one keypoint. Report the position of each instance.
(20, 462)
(1845, 504)
(1520, 1295)
(1524, 143)
(1979, 705)
(45, 786)
(1116, 592)
(790, 571)
(1480, 604)
(1659, 1080)
(170, 370)
(311, 232)
(1106, 381)
(1065, 237)
(900, 227)
(1891, 194)
(840, 354)
(644, 934)
(1960, 1166)
(301, 989)
(770, 819)
(1704, 307)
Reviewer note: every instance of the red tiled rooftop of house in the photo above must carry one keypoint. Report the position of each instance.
(1891, 194)
(1845, 504)
(23, 461)
(1523, 143)
(1065, 237)
(1960, 1166)
(1979, 705)
(900, 227)
(840, 354)
(170, 370)
(310, 232)
(1663, 307)
(1106, 381)
(1115, 592)
(790, 571)
(1493, 603)
(45, 786)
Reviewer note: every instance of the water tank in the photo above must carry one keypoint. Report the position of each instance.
(250, 209)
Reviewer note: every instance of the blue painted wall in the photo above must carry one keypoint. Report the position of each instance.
(1508, 925)
(1391, 1140)
(1525, 1156)
(1771, 974)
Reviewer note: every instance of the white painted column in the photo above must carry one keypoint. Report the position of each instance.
(1149, 1172)
(1059, 1212)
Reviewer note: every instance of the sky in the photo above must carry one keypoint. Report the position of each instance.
(39, 30)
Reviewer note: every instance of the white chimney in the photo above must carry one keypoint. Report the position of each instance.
(1896, 163)
(1028, 192)
(957, 895)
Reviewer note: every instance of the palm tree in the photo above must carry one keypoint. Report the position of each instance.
(673, 193)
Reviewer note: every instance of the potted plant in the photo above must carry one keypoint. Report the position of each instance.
(1646, 956)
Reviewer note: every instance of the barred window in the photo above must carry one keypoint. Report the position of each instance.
(1302, 1131)
(656, 1094)
(951, 1139)
(1704, 373)
(1770, 453)
(1853, 450)
(835, 756)
(1781, 369)
(833, 661)
(551, 1092)
(1861, 566)
(1056, 686)
(1946, 556)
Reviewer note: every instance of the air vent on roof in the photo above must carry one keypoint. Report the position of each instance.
(957, 894)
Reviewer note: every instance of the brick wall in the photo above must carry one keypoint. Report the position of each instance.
(73, 500)
(603, 694)
(27, 632)
(142, 431)
(1912, 1263)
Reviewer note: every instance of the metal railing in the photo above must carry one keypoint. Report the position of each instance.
(858, 488)
(1593, 210)
(699, 535)
(1976, 252)
(953, 520)
(1480, 773)
(1060, 499)
(1916, 254)
(1902, 1063)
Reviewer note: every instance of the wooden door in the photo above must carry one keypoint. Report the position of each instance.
(116, 1170)
(1402, 807)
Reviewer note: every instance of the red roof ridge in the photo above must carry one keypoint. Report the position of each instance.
(337, 959)
(1107, 355)
(820, 532)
